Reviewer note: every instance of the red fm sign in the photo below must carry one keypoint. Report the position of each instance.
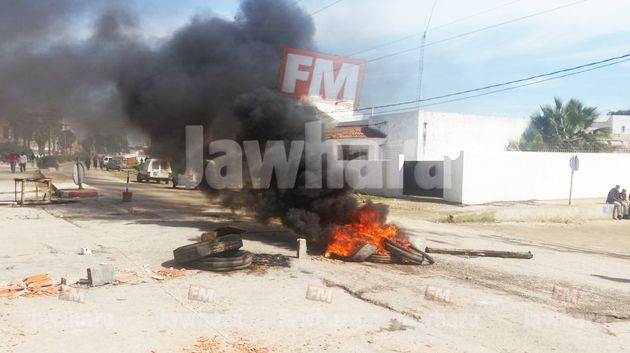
(321, 78)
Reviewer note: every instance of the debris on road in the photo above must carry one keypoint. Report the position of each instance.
(204, 345)
(198, 251)
(382, 258)
(301, 249)
(220, 253)
(126, 276)
(482, 253)
(172, 272)
(11, 289)
(37, 281)
(101, 275)
(35, 285)
(362, 253)
(407, 255)
(226, 262)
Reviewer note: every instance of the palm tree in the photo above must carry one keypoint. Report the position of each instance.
(565, 126)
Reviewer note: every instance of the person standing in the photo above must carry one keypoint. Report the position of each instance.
(95, 162)
(88, 162)
(23, 161)
(13, 159)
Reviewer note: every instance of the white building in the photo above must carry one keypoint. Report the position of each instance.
(462, 158)
(619, 126)
(421, 140)
(424, 136)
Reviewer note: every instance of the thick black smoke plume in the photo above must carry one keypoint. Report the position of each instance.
(213, 72)
(220, 74)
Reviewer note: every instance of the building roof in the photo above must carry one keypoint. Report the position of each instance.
(353, 132)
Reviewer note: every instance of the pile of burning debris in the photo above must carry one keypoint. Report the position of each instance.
(368, 238)
(218, 251)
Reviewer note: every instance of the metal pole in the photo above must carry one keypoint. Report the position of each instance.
(571, 187)
(22, 196)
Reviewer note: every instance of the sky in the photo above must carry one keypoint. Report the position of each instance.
(585, 32)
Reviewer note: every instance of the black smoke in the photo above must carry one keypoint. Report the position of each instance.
(50, 74)
(215, 72)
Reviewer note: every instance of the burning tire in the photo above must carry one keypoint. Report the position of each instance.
(363, 253)
(203, 249)
(380, 258)
(409, 256)
(225, 262)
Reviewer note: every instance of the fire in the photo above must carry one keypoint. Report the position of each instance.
(366, 227)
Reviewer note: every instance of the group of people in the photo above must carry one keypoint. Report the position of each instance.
(16, 160)
(619, 198)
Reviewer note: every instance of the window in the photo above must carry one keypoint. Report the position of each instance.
(348, 152)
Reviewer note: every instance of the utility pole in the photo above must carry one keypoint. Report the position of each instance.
(421, 56)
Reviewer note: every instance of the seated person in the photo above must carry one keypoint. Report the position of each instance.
(620, 208)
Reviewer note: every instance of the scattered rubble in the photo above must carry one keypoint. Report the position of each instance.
(212, 345)
(172, 272)
(204, 345)
(35, 285)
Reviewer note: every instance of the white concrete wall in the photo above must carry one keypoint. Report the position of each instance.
(422, 135)
(448, 133)
(402, 134)
(519, 176)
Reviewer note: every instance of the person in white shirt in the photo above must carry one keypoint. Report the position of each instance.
(23, 160)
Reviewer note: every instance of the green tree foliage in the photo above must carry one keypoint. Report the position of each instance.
(566, 127)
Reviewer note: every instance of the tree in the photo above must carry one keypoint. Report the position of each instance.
(565, 127)
(65, 140)
(40, 136)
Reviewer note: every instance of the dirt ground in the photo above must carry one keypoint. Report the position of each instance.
(496, 305)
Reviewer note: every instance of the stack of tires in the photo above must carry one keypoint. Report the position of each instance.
(398, 254)
(220, 254)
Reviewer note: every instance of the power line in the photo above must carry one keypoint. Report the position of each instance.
(545, 77)
(433, 29)
(530, 83)
(509, 88)
(326, 7)
(482, 29)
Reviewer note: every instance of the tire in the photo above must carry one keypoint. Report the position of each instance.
(404, 254)
(362, 253)
(197, 251)
(223, 263)
(380, 258)
(424, 254)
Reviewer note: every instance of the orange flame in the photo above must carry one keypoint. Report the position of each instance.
(366, 227)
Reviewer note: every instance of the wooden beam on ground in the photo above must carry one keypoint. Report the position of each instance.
(485, 253)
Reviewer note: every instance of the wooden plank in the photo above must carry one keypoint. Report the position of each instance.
(482, 253)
